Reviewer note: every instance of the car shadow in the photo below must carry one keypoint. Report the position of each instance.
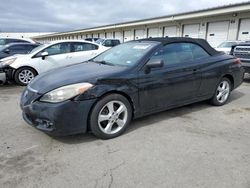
(177, 112)
(150, 119)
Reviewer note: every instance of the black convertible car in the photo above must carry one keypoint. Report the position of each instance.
(128, 81)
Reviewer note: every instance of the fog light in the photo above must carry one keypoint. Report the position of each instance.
(45, 124)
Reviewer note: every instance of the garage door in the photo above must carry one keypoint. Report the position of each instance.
(170, 31)
(191, 30)
(102, 35)
(139, 34)
(127, 36)
(244, 32)
(109, 35)
(118, 35)
(153, 32)
(217, 32)
(95, 35)
(89, 36)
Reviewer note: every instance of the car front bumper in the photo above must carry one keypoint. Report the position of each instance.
(61, 119)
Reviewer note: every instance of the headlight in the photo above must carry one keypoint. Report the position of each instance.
(8, 62)
(65, 92)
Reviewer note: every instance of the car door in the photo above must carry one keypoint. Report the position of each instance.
(83, 51)
(59, 55)
(177, 82)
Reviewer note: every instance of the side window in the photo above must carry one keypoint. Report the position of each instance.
(16, 48)
(116, 42)
(198, 52)
(180, 53)
(174, 53)
(78, 47)
(108, 43)
(60, 48)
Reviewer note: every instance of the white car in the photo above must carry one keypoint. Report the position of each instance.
(226, 46)
(23, 68)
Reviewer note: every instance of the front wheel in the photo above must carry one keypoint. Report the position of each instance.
(110, 116)
(23, 76)
(222, 92)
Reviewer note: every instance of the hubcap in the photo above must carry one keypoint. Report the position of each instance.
(25, 76)
(223, 91)
(112, 117)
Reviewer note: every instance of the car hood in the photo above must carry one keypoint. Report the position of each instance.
(78, 73)
(14, 56)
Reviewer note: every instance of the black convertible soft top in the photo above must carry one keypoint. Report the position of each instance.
(201, 42)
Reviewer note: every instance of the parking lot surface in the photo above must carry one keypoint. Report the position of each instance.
(193, 146)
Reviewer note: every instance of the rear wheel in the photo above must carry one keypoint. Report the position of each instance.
(222, 92)
(110, 116)
(23, 76)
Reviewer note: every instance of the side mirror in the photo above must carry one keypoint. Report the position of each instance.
(7, 51)
(44, 54)
(155, 63)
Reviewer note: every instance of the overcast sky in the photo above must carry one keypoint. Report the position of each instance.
(64, 15)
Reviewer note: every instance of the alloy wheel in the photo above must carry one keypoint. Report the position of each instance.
(112, 117)
(223, 91)
(25, 76)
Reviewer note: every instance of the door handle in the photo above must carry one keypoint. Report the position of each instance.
(69, 57)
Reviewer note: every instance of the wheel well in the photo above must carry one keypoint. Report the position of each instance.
(230, 77)
(25, 67)
(109, 93)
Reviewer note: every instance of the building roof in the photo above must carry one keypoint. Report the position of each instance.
(244, 6)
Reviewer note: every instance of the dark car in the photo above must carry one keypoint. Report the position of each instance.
(108, 42)
(91, 39)
(16, 48)
(128, 81)
(242, 51)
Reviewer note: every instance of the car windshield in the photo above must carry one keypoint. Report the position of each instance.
(227, 44)
(99, 41)
(2, 47)
(127, 54)
(38, 48)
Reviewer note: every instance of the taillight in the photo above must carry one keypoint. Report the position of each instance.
(237, 61)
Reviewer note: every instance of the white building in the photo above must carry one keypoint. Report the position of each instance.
(231, 22)
(22, 34)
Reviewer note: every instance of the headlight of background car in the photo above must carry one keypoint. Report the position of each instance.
(65, 92)
(8, 62)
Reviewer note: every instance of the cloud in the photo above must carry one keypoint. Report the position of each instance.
(64, 15)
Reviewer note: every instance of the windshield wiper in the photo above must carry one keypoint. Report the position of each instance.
(103, 62)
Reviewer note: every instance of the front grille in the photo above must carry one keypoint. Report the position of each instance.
(242, 55)
(242, 52)
(242, 49)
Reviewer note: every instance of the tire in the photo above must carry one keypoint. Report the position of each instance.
(23, 76)
(222, 92)
(110, 116)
